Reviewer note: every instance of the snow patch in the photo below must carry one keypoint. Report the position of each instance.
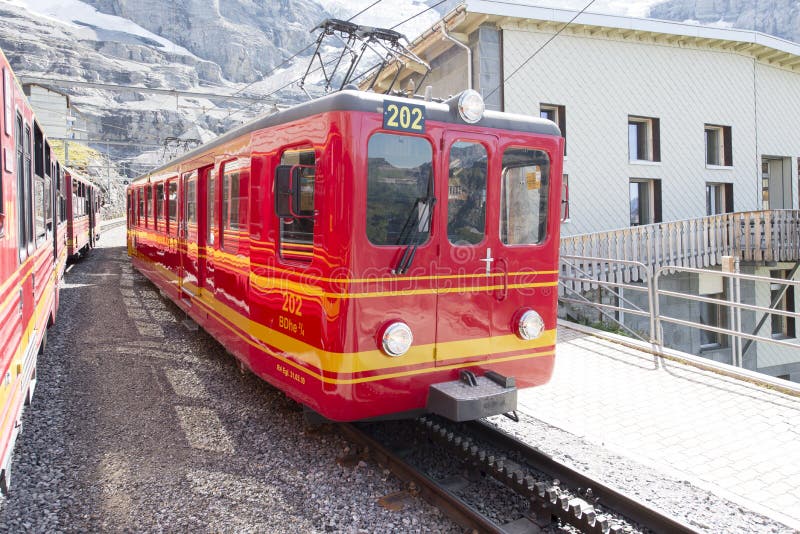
(97, 26)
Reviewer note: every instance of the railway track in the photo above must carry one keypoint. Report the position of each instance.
(541, 493)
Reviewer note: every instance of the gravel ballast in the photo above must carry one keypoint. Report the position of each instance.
(140, 424)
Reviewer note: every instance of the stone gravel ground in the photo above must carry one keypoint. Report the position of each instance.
(141, 425)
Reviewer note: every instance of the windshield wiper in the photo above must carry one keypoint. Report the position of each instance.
(407, 258)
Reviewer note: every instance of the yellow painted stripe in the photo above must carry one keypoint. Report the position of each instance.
(371, 360)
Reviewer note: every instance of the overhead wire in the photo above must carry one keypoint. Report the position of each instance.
(247, 107)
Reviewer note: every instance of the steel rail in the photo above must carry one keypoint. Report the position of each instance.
(625, 505)
(447, 502)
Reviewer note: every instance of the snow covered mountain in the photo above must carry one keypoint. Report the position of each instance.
(239, 48)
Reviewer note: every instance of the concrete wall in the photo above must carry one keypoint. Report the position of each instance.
(51, 110)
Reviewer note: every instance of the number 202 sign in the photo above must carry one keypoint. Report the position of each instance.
(404, 117)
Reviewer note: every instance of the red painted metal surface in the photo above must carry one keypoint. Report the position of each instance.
(307, 317)
(32, 254)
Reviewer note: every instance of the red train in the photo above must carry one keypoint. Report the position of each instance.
(369, 255)
(34, 223)
(83, 206)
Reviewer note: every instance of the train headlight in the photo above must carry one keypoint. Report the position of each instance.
(397, 339)
(530, 325)
(471, 106)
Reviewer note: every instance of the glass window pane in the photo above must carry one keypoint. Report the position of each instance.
(191, 201)
(173, 201)
(399, 189)
(211, 200)
(525, 188)
(466, 194)
(160, 201)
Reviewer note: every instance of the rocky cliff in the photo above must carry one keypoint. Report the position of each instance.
(780, 18)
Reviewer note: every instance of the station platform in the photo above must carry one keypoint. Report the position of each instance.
(737, 437)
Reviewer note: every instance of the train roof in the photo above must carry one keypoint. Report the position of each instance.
(354, 100)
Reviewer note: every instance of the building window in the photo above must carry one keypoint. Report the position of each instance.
(558, 115)
(719, 198)
(644, 139)
(718, 145)
(716, 315)
(782, 299)
(645, 201)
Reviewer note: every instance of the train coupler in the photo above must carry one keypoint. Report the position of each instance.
(473, 397)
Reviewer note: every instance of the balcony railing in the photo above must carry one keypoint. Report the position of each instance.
(752, 236)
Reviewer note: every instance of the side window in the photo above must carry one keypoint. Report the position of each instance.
(466, 193)
(297, 232)
(148, 207)
(211, 206)
(235, 183)
(159, 200)
(141, 196)
(190, 199)
(399, 189)
(172, 205)
(28, 197)
(21, 211)
(524, 192)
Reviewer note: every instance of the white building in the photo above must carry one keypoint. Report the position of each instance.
(663, 122)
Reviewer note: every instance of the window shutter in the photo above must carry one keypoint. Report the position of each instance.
(728, 198)
(656, 125)
(656, 201)
(726, 134)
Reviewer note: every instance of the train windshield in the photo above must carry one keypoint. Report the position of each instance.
(524, 195)
(399, 189)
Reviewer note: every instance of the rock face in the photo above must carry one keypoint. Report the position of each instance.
(780, 18)
(246, 38)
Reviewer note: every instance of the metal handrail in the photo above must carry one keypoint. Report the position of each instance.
(737, 334)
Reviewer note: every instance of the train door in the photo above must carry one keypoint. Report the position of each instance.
(207, 268)
(188, 237)
(467, 250)
(92, 216)
(527, 268)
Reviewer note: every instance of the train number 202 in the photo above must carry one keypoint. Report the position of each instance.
(292, 304)
(404, 117)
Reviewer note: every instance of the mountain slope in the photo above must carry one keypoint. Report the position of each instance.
(780, 18)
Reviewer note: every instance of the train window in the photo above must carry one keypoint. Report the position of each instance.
(234, 194)
(211, 206)
(172, 203)
(159, 200)
(48, 205)
(142, 200)
(39, 211)
(297, 233)
(147, 212)
(190, 198)
(525, 186)
(38, 150)
(28, 197)
(466, 193)
(399, 189)
(21, 209)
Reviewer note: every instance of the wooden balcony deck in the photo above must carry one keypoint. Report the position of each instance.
(752, 236)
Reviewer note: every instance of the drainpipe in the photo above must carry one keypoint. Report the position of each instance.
(465, 47)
